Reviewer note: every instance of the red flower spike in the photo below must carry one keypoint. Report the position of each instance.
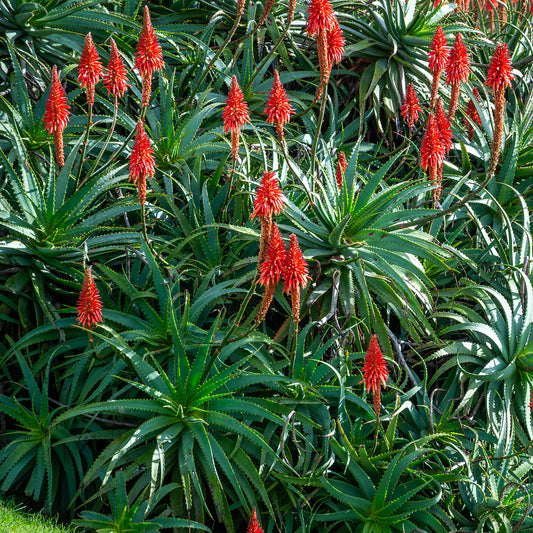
(142, 163)
(295, 275)
(499, 74)
(269, 197)
(458, 66)
(89, 304)
(271, 268)
(235, 115)
(342, 165)
(320, 16)
(149, 56)
(335, 43)
(90, 68)
(438, 53)
(375, 371)
(471, 112)
(56, 110)
(443, 125)
(410, 107)
(278, 109)
(115, 78)
(432, 149)
(56, 115)
(253, 525)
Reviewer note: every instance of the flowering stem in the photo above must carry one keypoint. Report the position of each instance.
(86, 139)
(215, 58)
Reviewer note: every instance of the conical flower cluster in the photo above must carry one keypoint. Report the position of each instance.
(142, 162)
(335, 43)
(115, 77)
(410, 107)
(89, 304)
(56, 115)
(268, 201)
(375, 372)
(149, 56)
(446, 137)
(295, 275)
(235, 115)
(437, 59)
(89, 68)
(471, 112)
(432, 154)
(271, 269)
(457, 71)
(342, 165)
(278, 109)
(320, 16)
(253, 525)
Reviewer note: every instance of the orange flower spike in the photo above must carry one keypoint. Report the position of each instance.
(89, 304)
(342, 165)
(253, 525)
(56, 115)
(270, 270)
(410, 107)
(142, 163)
(335, 43)
(437, 59)
(500, 68)
(278, 109)
(115, 77)
(443, 125)
(457, 71)
(375, 372)
(320, 16)
(235, 115)
(295, 275)
(149, 56)
(268, 201)
(432, 149)
(89, 68)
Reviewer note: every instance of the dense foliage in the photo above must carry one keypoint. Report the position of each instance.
(267, 256)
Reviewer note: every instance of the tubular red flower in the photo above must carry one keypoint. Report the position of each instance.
(320, 15)
(271, 268)
(56, 110)
(342, 165)
(269, 197)
(115, 78)
(278, 109)
(235, 113)
(295, 275)
(142, 163)
(432, 149)
(410, 107)
(149, 56)
(375, 371)
(335, 42)
(253, 525)
(500, 69)
(443, 125)
(458, 66)
(471, 112)
(438, 53)
(89, 304)
(89, 68)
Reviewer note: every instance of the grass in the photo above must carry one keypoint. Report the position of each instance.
(13, 519)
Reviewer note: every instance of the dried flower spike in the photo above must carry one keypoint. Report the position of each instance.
(295, 275)
(115, 77)
(149, 56)
(89, 304)
(375, 372)
(410, 107)
(271, 269)
(253, 525)
(437, 59)
(342, 165)
(142, 162)
(56, 115)
(89, 69)
(235, 115)
(278, 109)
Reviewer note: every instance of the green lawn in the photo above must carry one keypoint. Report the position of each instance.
(13, 519)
